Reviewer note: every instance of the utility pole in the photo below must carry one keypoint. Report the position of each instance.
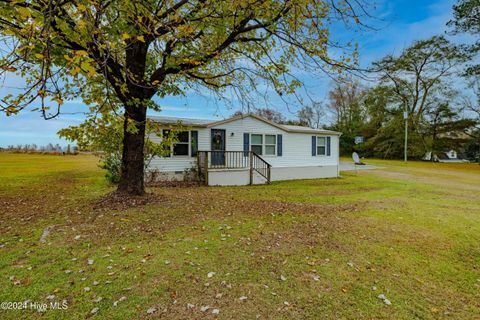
(405, 148)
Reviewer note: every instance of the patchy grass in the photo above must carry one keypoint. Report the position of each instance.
(297, 250)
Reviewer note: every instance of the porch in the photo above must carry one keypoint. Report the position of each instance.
(232, 168)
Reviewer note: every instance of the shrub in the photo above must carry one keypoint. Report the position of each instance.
(112, 163)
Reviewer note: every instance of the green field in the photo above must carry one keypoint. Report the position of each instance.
(310, 249)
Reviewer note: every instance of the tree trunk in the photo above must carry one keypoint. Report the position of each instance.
(132, 170)
(135, 102)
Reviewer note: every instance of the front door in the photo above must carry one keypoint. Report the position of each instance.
(218, 147)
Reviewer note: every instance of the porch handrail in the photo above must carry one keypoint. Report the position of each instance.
(261, 166)
(232, 160)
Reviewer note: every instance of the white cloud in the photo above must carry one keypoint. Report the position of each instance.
(399, 35)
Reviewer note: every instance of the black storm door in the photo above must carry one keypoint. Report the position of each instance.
(218, 147)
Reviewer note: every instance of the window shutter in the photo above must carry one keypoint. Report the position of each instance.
(194, 142)
(279, 145)
(314, 145)
(328, 146)
(246, 143)
(165, 133)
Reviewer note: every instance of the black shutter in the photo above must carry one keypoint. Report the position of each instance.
(246, 143)
(328, 146)
(279, 145)
(314, 145)
(194, 143)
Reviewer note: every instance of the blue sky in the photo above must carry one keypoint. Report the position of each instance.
(400, 21)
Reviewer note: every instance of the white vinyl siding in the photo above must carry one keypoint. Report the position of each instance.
(297, 147)
(180, 163)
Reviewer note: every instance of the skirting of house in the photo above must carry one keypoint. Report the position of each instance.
(307, 172)
(241, 176)
(231, 177)
(155, 176)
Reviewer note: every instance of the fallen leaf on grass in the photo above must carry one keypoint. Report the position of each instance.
(151, 310)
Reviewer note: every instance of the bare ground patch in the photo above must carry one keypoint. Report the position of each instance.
(118, 201)
(164, 211)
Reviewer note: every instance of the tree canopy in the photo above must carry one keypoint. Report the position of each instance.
(126, 52)
(421, 81)
(466, 19)
(417, 74)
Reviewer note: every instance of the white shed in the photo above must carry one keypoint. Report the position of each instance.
(247, 149)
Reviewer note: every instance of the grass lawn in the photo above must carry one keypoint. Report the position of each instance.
(310, 249)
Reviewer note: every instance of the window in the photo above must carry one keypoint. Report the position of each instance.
(182, 146)
(264, 144)
(321, 146)
(257, 144)
(270, 145)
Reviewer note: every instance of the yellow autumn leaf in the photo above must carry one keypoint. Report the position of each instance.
(87, 67)
(39, 55)
(125, 36)
(24, 12)
(67, 57)
(141, 38)
(186, 29)
(8, 32)
(75, 71)
(58, 100)
(81, 53)
(11, 110)
(81, 7)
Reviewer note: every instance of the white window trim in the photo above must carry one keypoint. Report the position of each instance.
(324, 145)
(265, 144)
(189, 146)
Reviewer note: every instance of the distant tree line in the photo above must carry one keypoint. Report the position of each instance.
(45, 149)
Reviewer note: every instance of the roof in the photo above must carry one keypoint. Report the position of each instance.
(183, 121)
(211, 123)
(308, 129)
